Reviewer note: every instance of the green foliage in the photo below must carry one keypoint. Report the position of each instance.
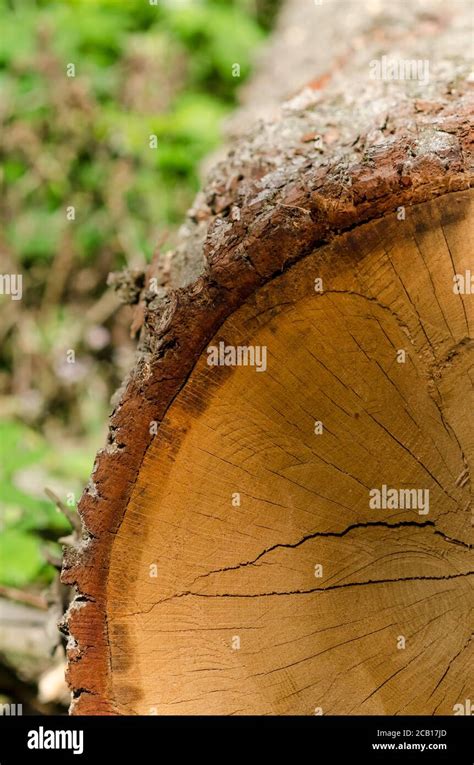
(21, 561)
(28, 464)
(65, 134)
(83, 141)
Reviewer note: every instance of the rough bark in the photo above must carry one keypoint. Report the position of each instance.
(348, 150)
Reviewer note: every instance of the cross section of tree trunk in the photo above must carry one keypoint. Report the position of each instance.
(281, 520)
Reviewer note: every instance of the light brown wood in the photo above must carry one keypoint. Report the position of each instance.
(363, 182)
(246, 573)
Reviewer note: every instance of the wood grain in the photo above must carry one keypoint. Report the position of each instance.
(311, 642)
(365, 183)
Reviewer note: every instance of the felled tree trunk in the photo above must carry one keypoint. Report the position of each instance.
(281, 521)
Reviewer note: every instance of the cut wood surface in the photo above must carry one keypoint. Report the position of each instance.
(294, 535)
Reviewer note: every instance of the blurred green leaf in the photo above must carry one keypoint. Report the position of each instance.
(20, 559)
(84, 141)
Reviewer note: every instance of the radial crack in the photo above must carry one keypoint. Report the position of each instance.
(316, 534)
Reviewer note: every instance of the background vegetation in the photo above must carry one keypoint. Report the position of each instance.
(83, 141)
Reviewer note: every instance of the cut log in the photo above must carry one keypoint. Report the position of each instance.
(280, 522)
